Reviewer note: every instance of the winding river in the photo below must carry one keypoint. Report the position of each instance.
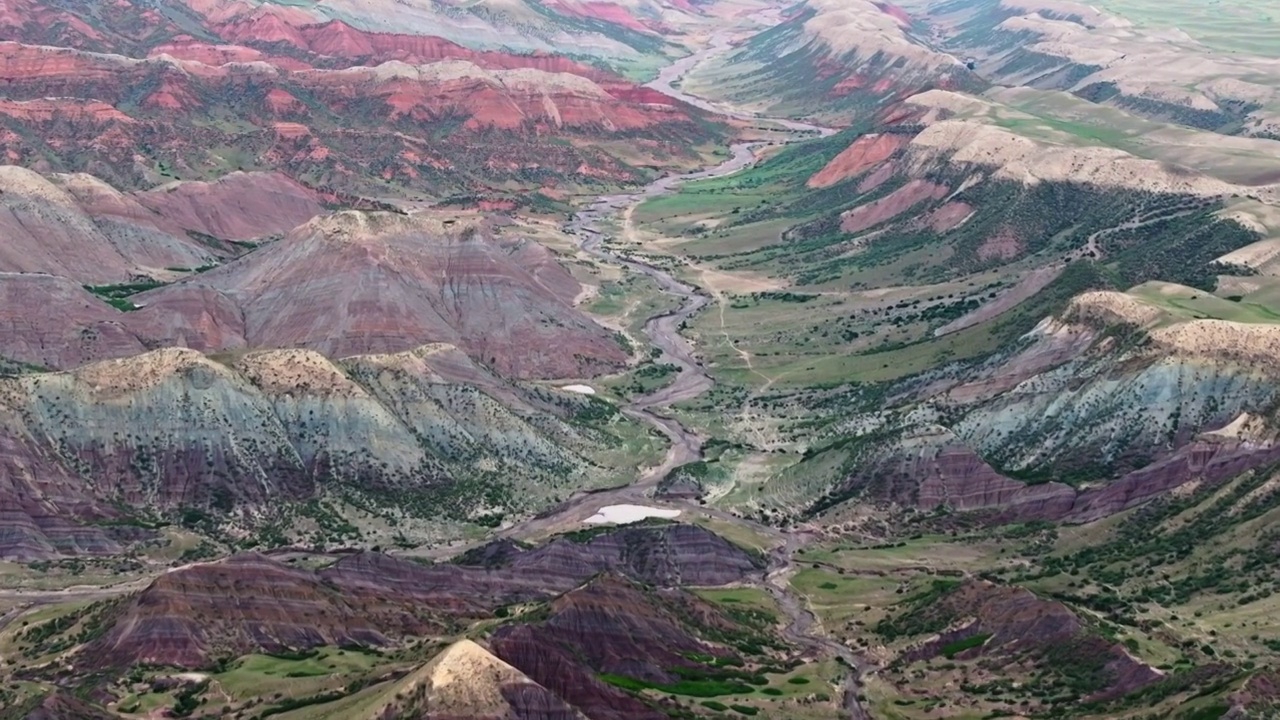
(663, 330)
(591, 225)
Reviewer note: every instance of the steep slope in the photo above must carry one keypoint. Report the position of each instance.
(245, 439)
(1146, 405)
(359, 283)
(58, 230)
(496, 122)
(238, 206)
(979, 624)
(1148, 65)
(467, 681)
(612, 633)
(183, 619)
(606, 32)
(831, 59)
(53, 322)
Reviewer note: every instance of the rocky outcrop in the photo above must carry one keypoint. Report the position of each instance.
(498, 118)
(931, 468)
(1091, 416)
(503, 574)
(467, 681)
(45, 510)
(1112, 405)
(890, 206)
(614, 628)
(63, 230)
(557, 669)
(609, 626)
(52, 322)
(666, 555)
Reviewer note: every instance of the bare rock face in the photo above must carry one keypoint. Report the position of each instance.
(502, 573)
(615, 629)
(467, 681)
(52, 322)
(560, 671)
(48, 230)
(1138, 418)
(890, 206)
(865, 153)
(667, 555)
(610, 625)
(932, 468)
(360, 283)
(174, 428)
(502, 117)
(184, 618)
(239, 206)
(42, 503)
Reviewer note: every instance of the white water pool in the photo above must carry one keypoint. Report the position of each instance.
(625, 514)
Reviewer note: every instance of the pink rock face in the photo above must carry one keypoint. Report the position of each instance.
(83, 103)
(865, 152)
(948, 216)
(42, 505)
(183, 617)
(890, 206)
(52, 322)
(1210, 460)
(239, 206)
(362, 283)
(1003, 245)
(935, 469)
(83, 230)
(191, 316)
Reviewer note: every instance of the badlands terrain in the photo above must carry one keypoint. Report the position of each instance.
(549, 359)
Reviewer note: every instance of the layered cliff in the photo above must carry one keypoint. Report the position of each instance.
(360, 283)
(244, 436)
(371, 599)
(1146, 403)
(828, 59)
(496, 121)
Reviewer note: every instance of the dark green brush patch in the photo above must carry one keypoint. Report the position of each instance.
(116, 295)
(950, 650)
(705, 687)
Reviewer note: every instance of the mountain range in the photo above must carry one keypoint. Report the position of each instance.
(638, 359)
